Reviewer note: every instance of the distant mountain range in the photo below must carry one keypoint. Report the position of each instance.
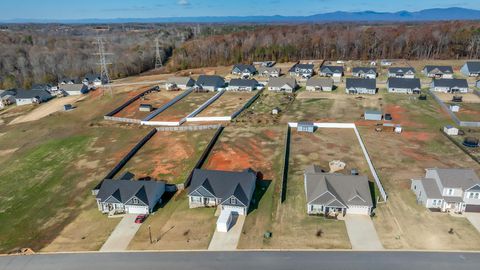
(435, 14)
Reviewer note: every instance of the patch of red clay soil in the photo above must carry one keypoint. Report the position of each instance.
(417, 135)
(400, 116)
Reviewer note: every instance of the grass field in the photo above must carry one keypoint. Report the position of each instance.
(468, 111)
(184, 106)
(169, 156)
(227, 104)
(156, 99)
(260, 112)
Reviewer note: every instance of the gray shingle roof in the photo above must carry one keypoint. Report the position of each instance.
(181, 80)
(402, 70)
(404, 83)
(244, 68)
(123, 190)
(431, 188)
(224, 184)
(473, 66)
(74, 87)
(337, 189)
(302, 67)
(269, 70)
(211, 80)
(457, 178)
(322, 82)
(331, 69)
(361, 83)
(443, 69)
(279, 82)
(42, 94)
(462, 83)
(243, 83)
(364, 70)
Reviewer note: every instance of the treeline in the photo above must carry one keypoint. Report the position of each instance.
(45, 53)
(440, 40)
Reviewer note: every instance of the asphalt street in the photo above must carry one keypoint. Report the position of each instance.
(331, 260)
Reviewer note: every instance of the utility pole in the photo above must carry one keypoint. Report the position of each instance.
(158, 56)
(150, 234)
(104, 74)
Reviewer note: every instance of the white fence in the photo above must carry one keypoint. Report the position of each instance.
(362, 145)
(209, 119)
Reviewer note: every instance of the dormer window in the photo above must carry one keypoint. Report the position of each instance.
(135, 201)
(233, 201)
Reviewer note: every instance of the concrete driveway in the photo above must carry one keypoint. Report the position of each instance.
(362, 233)
(122, 235)
(222, 241)
(474, 218)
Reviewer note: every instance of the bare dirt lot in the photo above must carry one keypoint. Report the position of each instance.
(46, 109)
(169, 156)
(227, 104)
(467, 98)
(260, 149)
(184, 106)
(156, 99)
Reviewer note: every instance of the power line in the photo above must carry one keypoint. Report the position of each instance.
(158, 56)
(104, 74)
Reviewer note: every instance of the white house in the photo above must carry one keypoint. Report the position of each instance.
(74, 89)
(401, 72)
(182, 83)
(471, 69)
(364, 72)
(333, 194)
(242, 85)
(361, 86)
(448, 190)
(244, 71)
(283, 84)
(302, 70)
(450, 130)
(404, 85)
(450, 85)
(444, 72)
(25, 97)
(319, 84)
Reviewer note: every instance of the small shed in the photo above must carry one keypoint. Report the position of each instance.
(450, 130)
(145, 108)
(275, 111)
(398, 129)
(373, 115)
(454, 108)
(67, 107)
(306, 127)
(224, 221)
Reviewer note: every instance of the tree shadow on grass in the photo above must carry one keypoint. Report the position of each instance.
(261, 186)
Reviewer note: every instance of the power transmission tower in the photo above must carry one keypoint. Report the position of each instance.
(158, 56)
(104, 75)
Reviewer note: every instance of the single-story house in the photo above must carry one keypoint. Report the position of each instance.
(244, 71)
(404, 85)
(283, 84)
(471, 69)
(331, 71)
(444, 72)
(305, 127)
(145, 107)
(450, 85)
(401, 72)
(232, 191)
(336, 194)
(269, 71)
(25, 97)
(361, 86)
(210, 82)
(450, 130)
(448, 190)
(242, 85)
(74, 89)
(45, 86)
(364, 72)
(385, 62)
(302, 70)
(68, 81)
(127, 195)
(183, 83)
(93, 80)
(373, 115)
(319, 84)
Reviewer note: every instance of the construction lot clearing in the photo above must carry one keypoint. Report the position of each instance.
(156, 99)
(184, 107)
(227, 104)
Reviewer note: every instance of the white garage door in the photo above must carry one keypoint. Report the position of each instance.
(238, 209)
(361, 210)
(137, 209)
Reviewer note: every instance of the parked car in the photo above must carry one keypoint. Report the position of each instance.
(140, 218)
(388, 117)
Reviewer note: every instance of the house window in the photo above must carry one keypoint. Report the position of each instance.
(476, 195)
(434, 202)
(450, 191)
(135, 201)
(470, 195)
(196, 199)
(233, 201)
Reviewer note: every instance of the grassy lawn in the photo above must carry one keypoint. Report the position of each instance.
(260, 112)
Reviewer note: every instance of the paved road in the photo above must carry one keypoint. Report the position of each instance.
(362, 233)
(267, 260)
(122, 235)
(224, 241)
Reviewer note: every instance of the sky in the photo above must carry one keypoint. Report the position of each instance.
(74, 9)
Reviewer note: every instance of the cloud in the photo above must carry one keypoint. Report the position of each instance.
(183, 2)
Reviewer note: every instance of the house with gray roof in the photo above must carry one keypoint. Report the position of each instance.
(183, 83)
(269, 71)
(68, 80)
(242, 85)
(450, 85)
(331, 71)
(210, 82)
(74, 89)
(448, 190)
(319, 84)
(302, 70)
(401, 72)
(444, 72)
(282, 84)
(93, 80)
(25, 97)
(244, 71)
(471, 69)
(336, 194)
(231, 191)
(361, 86)
(364, 72)
(404, 85)
(127, 195)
